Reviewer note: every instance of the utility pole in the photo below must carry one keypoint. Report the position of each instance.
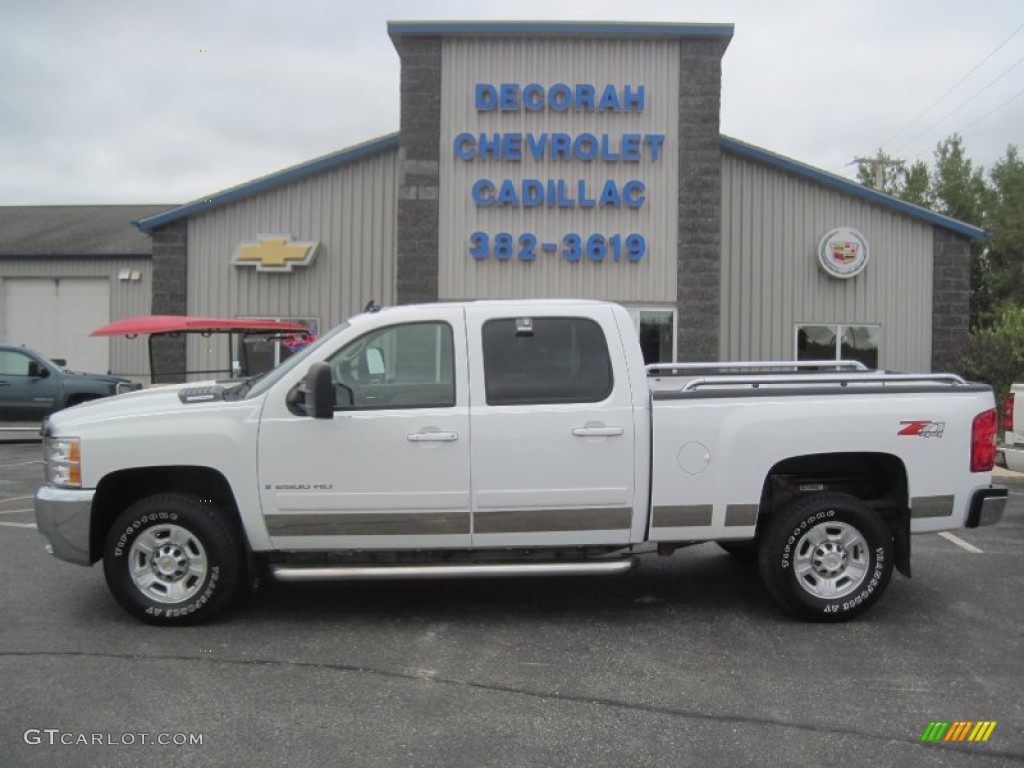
(878, 163)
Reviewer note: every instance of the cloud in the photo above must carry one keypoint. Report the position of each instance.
(121, 102)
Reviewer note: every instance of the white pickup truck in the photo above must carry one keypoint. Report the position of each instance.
(511, 438)
(1011, 453)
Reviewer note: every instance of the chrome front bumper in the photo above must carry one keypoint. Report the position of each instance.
(62, 516)
(987, 506)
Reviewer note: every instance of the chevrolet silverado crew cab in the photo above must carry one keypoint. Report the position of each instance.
(512, 438)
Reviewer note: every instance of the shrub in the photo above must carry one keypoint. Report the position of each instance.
(995, 355)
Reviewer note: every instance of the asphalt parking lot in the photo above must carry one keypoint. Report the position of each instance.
(682, 662)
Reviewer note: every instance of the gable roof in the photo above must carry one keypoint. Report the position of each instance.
(397, 29)
(271, 181)
(849, 187)
(74, 230)
(390, 142)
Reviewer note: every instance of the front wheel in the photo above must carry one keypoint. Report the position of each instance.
(826, 557)
(170, 559)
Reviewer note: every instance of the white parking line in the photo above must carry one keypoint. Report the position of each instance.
(960, 542)
(21, 463)
(16, 498)
(18, 525)
(13, 511)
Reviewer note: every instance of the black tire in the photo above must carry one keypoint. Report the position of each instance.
(745, 551)
(171, 560)
(826, 557)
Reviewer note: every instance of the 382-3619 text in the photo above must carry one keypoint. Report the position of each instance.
(572, 247)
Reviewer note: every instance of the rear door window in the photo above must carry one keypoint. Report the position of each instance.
(541, 360)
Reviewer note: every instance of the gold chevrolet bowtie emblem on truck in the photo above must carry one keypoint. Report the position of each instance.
(274, 253)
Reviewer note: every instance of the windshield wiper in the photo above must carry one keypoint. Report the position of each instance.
(240, 391)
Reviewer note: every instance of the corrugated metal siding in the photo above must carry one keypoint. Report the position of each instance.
(653, 64)
(772, 223)
(128, 357)
(350, 211)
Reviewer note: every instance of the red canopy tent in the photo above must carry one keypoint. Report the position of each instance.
(174, 325)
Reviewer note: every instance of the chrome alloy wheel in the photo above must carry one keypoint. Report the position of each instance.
(167, 563)
(831, 560)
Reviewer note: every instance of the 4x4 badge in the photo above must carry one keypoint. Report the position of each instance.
(921, 428)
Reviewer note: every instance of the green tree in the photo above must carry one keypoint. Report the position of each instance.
(880, 167)
(995, 355)
(912, 184)
(916, 185)
(959, 191)
(1005, 221)
(958, 187)
(954, 186)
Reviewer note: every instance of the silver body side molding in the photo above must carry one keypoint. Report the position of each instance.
(453, 571)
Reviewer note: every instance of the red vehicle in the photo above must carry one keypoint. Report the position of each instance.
(248, 331)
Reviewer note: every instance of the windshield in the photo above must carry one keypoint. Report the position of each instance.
(262, 383)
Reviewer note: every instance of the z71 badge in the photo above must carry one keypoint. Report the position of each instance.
(921, 429)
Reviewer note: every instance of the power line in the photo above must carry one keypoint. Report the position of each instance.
(962, 104)
(973, 123)
(955, 85)
(1017, 95)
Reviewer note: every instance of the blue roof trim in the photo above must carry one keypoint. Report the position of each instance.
(555, 28)
(851, 188)
(385, 143)
(296, 172)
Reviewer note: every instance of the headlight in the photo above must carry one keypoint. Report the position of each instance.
(63, 459)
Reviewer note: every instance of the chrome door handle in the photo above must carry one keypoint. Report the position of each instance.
(432, 437)
(597, 431)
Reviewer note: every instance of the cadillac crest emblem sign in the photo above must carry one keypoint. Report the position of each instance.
(843, 253)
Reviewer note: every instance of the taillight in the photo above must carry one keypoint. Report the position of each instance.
(1008, 413)
(983, 441)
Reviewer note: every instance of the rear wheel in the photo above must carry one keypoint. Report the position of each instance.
(826, 557)
(172, 559)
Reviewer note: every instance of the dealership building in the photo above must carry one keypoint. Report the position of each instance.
(576, 160)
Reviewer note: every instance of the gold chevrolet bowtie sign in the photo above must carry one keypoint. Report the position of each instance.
(275, 253)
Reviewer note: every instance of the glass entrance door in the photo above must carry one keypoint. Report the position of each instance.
(656, 328)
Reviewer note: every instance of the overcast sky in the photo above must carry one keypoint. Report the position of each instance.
(166, 101)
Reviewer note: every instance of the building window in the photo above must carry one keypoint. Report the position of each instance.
(656, 328)
(839, 342)
(545, 360)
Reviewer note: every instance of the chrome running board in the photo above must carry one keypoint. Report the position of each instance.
(449, 571)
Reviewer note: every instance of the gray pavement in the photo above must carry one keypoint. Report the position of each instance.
(682, 662)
